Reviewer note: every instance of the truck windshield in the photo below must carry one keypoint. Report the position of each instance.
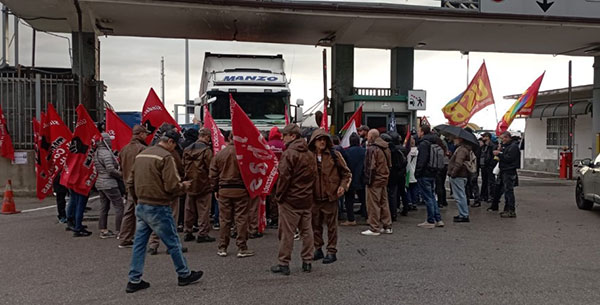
(258, 106)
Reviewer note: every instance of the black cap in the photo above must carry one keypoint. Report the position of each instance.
(173, 135)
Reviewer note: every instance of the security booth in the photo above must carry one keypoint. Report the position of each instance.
(379, 104)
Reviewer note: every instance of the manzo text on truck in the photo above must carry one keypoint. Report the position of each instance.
(258, 84)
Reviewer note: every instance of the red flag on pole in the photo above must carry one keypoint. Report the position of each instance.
(56, 137)
(258, 164)
(155, 114)
(218, 140)
(80, 173)
(117, 129)
(41, 165)
(324, 120)
(6, 146)
(356, 117)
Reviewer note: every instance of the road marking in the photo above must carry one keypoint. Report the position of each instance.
(38, 209)
(52, 206)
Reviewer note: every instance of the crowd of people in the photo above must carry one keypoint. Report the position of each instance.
(176, 183)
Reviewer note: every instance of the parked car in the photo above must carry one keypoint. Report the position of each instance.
(587, 190)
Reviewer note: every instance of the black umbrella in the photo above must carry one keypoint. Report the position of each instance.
(458, 132)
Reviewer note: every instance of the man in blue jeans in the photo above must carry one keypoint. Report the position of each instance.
(153, 182)
(426, 178)
(459, 174)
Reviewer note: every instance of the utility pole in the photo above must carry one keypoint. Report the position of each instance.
(187, 80)
(162, 78)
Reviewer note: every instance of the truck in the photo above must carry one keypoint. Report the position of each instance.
(257, 83)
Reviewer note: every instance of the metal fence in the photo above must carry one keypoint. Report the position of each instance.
(24, 95)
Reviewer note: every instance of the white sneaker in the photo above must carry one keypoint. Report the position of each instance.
(387, 231)
(370, 233)
(440, 224)
(222, 252)
(426, 225)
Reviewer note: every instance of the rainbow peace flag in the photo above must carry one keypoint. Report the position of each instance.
(523, 106)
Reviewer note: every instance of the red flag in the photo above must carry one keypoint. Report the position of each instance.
(80, 173)
(523, 106)
(357, 117)
(324, 120)
(218, 140)
(287, 116)
(41, 165)
(116, 128)
(6, 146)
(258, 164)
(154, 114)
(56, 137)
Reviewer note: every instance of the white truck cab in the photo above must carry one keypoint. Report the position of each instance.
(257, 82)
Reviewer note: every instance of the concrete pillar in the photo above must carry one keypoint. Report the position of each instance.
(596, 104)
(342, 80)
(403, 68)
(89, 66)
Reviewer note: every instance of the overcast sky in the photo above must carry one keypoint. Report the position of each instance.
(130, 66)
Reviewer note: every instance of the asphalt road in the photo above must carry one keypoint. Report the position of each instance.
(548, 255)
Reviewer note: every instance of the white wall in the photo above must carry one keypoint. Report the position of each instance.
(535, 139)
(584, 137)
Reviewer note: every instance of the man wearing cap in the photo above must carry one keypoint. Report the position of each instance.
(234, 200)
(196, 161)
(153, 183)
(127, 158)
(294, 194)
(332, 181)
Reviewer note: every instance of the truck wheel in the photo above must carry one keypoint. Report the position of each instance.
(582, 203)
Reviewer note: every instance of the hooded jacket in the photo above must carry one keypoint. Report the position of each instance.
(275, 142)
(297, 172)
(378, 163)
(128, 153)
(196, 162)
(106, 165)
(456, 167)
(332, 174)
(423, 170)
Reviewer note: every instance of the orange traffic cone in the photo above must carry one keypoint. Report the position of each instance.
(8, 205)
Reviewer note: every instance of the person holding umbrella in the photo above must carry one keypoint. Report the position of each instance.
(461, 166)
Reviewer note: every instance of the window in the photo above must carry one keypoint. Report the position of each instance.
(258, 106)
(557, 132)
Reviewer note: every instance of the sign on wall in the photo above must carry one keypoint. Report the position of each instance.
(417, 100)
(558, 8)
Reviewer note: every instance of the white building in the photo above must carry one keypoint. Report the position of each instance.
(546, 130)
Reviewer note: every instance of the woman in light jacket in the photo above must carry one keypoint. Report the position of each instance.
(108, 186)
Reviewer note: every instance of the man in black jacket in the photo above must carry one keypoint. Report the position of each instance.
(487, 164)
(425, 175)
(510, 161)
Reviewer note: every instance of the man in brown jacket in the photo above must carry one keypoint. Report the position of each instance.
(153, 183)
(459, 174)
(226, 181)
(127, 158)
(377, 172)
(175, 201)
(332, 181)
(196, 161)
(294, 194)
